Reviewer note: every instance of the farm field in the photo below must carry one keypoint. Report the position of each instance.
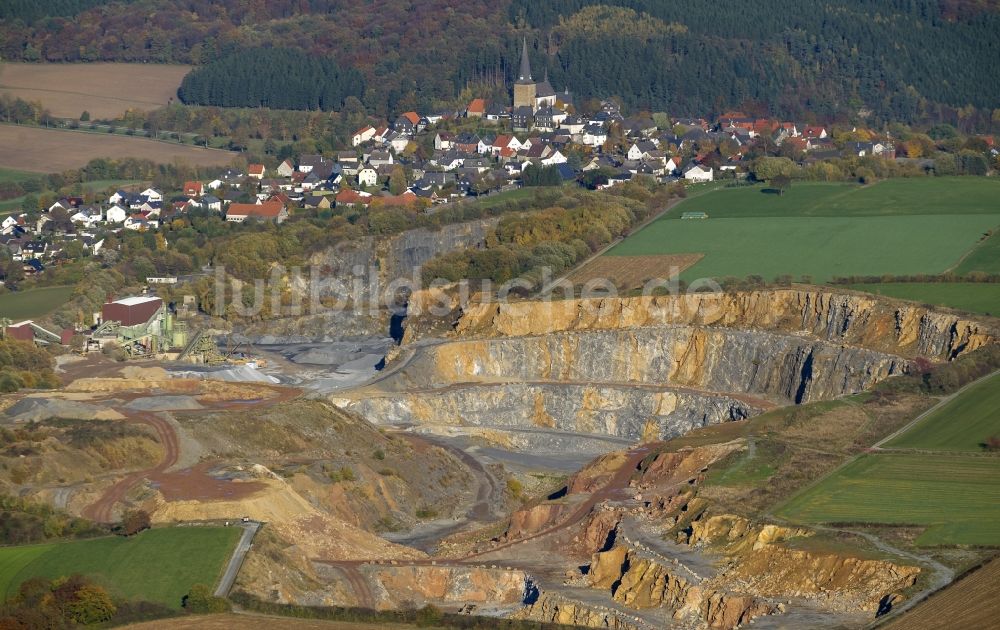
(960, 425)
(971, 602)
(158, 565)
(827, 230)
(890, 197)
(985, 257)
(106, 90)
(632, 272)
(33, 303)
(11, 175)
(974, 297)
(956, 497)
(52, 150)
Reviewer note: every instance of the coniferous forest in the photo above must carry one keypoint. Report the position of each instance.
(915, 61)
(279, 78)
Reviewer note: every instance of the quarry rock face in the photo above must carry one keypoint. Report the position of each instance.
(622, 411)
(794, 368)
(656, 367)
(837, 317)
(422, 584)
(641, 582)
(552, 608)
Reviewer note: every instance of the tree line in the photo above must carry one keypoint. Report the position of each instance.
(279, 78)
(911, 60)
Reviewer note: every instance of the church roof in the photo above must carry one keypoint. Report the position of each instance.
(544, 88)
(524, 74)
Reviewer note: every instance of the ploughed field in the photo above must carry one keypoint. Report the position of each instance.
(54, 150)
(105, 90)
(822, 231)
(157, 565)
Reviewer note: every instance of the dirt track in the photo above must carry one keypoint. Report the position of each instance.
(101, 510)
(613, 489)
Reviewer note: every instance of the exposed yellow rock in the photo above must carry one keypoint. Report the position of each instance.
(555, 609)
(421, 584)
(854, 318)
(317, 534)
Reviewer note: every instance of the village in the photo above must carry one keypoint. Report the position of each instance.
(540, 138)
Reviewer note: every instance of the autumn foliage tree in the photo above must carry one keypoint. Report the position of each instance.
(134, 521)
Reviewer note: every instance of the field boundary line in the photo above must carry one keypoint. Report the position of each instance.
(971, 251)
(875, 448)
(944, 401)
(659, 214)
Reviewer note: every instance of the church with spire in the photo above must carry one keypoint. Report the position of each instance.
(527, 92)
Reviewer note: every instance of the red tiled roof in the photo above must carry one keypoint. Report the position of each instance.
(477, 105)
(268, 209)
(256, 169)
(362, 130)
(413, 117)
(348, 196)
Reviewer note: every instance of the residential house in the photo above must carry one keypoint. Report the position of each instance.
(348, 197)
(362, 135)
(544, 119)
(115, 214)
(814, 132)
(466, 143)
(555, 157)
(285, 169)
(211, 202)
(496, 112)
(407, 123)
(267, 210)
(194, 189)
(522, 117)
(380, 158)
(399, 142)
(151, 194)
(321, 202)
(476, 109)
(572, 125)
(310, 161)
(594, 135)
(256, 171)
(698, 173)
(140, 223)
(443, 140)
(367, 177)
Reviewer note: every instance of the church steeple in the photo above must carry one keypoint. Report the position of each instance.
(524, 75)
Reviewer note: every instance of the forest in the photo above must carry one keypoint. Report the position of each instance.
(915, 61)
(277, 78)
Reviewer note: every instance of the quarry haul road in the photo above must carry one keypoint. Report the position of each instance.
(102, 510)
(613, 489)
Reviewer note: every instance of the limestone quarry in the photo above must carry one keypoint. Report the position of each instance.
(650, 367)
(540, 460)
